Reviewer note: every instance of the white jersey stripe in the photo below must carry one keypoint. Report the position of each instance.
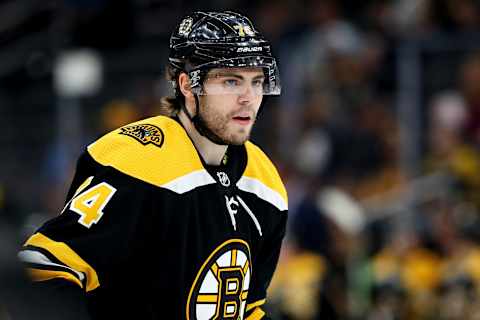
(262, 191)
(31, 256)
(189, 182)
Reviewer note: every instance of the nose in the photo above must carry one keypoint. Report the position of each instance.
(248, 94)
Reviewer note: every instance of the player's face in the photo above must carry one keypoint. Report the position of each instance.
(231, 101)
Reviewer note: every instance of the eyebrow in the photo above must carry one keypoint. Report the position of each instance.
(235, 75)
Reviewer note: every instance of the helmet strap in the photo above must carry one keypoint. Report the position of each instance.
(184, 108)
(200, 125)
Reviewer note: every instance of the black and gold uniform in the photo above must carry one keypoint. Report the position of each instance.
(151, 232)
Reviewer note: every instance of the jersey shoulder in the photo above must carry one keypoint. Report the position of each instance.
(261, 176)
(156, 150)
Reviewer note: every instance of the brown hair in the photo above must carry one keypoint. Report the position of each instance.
(171, 105)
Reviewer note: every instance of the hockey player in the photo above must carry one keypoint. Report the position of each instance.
(179, 216)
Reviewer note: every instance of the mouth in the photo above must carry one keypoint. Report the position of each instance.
(243, 120)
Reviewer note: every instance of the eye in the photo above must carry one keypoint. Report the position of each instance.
(257, 83)
(231, 82)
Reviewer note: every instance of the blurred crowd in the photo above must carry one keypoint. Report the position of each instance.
(373, 234)
(371, 238)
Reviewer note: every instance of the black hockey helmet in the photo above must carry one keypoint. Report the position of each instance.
(207, 40)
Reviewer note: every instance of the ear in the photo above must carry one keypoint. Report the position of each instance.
(184, 85)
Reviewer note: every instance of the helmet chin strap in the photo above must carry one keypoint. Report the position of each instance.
(200, 124)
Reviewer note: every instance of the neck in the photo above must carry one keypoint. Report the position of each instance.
(210, 152)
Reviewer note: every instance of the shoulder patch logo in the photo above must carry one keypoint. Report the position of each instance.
(144, 133)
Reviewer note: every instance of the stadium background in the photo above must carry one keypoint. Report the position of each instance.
(376, 135)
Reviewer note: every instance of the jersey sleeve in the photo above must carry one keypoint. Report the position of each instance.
(264, 266)
(89, 243)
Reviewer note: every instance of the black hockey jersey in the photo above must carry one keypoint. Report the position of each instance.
(151, 232)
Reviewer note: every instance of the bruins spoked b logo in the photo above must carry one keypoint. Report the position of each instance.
(221, 287)
(144, 133)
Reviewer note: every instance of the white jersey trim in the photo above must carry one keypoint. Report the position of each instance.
(263, 192)
(189, 181)
(30, 256)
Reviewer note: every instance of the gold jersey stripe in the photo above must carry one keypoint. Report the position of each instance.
(256, 314)
(214, 269)
(67, 256)
(177, 156)
(245, 267)
(260, 168)
(244, 295)
(255, 304)
(43, 275)
(233, 261)
(207, 298)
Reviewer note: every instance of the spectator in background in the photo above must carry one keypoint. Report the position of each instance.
(405, 277)
(324, 235)
(448, 150)
(324, 230)
(453, 15)
(469, 87)
(329, 70)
